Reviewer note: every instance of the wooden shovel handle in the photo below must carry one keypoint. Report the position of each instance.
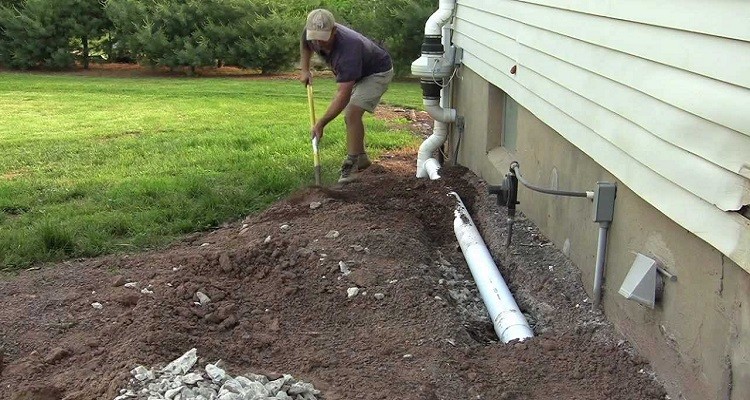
(311, 105)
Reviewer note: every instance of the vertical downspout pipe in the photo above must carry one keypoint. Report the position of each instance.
(507, 319)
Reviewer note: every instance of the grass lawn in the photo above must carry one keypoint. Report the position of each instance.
(94, 165)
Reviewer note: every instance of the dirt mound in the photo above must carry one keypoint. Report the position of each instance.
(279, 304)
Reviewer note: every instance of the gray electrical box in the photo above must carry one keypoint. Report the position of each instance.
(604, 201)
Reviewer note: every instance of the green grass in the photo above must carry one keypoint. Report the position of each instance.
(93, 165)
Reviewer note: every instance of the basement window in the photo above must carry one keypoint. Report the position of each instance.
(502, 125)
(509, 133)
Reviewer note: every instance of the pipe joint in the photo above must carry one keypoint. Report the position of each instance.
(446, 115)
(432, 45)
(433, 67)
(430, 90)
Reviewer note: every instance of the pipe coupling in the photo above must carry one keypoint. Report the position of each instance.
(432, 45)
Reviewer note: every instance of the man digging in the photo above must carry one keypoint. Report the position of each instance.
(363, 72)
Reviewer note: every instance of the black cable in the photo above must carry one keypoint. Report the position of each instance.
(516, 169)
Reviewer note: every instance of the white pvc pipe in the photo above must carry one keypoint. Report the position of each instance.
(438, 109)
(432, 143)
(439, 18)
(432, 166)
(507, 319)
(442, 117)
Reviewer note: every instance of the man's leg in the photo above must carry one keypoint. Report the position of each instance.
(365, 97)
(355, 130)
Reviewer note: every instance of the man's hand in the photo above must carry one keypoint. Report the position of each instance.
(317, 131)
(343, 94)
(305, 77)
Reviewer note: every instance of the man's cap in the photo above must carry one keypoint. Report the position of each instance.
(319, 25)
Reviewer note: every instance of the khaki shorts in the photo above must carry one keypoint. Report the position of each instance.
(368, 91)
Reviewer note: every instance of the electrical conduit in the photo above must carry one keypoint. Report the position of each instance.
(601, 253)
(507, 319)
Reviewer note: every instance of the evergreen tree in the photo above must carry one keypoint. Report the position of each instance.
(88, 22)
(269, 42)
(41, 33)
(398, 25)
(35, 35)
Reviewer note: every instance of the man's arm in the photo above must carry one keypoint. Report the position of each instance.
(305, 54)
(339, 102)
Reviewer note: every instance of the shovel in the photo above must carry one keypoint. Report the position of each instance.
(316, 154)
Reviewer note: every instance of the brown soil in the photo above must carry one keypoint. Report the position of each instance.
(137, 70)
(279, 304)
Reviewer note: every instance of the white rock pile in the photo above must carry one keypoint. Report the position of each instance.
(181, 379)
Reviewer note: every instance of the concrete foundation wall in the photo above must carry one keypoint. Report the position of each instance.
(698, 337)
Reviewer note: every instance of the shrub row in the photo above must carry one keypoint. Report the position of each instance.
(255, 34)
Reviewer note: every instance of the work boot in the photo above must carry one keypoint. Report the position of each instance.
(352, 166)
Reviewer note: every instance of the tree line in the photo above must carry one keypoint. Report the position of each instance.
(261, 35)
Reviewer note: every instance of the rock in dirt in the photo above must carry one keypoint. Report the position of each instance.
(215, 373)
(142, 373)
(344, 268)
(202, 298)
(39, 393)
(351, 292)
(225, 262)
(229, 323)
(57, 354)
(365, 277)
(183, 364)
(118, 281)
(127, 299)
(221, 314)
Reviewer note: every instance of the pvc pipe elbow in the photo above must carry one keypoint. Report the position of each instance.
(429, 146)
(438, 113)
(439, 18)
(432, 143)
(431, 167)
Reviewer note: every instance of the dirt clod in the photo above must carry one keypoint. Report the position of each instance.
(57, 354)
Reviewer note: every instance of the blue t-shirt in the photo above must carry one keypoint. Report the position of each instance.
(353, 56)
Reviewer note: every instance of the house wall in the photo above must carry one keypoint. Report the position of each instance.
(652, 96)
(698, 337)
(652, 92)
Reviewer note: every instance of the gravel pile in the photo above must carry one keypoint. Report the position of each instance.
(183, 380)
